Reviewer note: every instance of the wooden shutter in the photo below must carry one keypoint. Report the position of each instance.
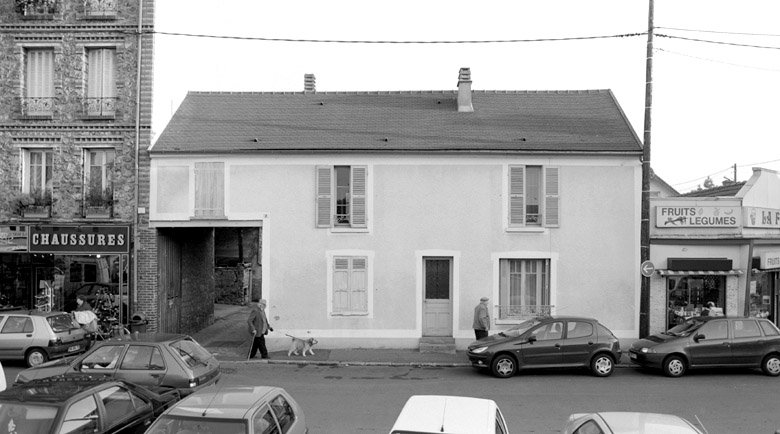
(358, 295)
(210, 189)
(323, 200)
(516, 196)
(552, 210)
(341, 280)
(358, 184)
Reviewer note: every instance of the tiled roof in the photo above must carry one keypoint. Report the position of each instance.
(730, 190)
(502, 121)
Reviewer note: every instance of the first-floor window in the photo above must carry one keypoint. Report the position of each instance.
(98, 190)
(524, 287)
(350, 281)
(341, 199)
(39, 172)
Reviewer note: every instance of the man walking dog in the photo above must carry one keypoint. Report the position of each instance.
(258, 328)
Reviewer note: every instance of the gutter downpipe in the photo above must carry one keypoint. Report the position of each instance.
(137, 152)
(748, 278)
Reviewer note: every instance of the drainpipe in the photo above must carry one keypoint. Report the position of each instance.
(136, 221)
(748, 278)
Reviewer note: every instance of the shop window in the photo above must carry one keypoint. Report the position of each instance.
(687, 296)
(524, 288)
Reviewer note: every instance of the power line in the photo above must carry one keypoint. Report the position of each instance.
(341, 41)
(719, 32)
(734, 44)
(717, 61)
(728, 169)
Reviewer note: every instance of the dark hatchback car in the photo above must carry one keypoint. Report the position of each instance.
(81, 404)
(549, 342)
(147, 359)
(710, 342)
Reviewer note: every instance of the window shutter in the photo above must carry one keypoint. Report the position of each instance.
(107, 88)
(359, 175)
(341, 284)
(358, 299)
(516, 196)
(94, 72)
(209, 190)
(323, 202)
(552, 210)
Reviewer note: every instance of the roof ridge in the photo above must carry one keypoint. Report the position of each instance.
(401, 92)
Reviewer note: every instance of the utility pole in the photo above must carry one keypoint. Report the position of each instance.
(644, 295)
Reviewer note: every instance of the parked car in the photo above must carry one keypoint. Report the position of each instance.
(619, 422)
(548, 342)
(707, 341)
(234, 410)
(441, 414)
(81, 404)
(147, 359)
(35, 336)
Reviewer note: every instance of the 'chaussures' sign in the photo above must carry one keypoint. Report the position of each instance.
(79, 239)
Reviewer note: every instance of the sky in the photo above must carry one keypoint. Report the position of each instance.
(715, 63)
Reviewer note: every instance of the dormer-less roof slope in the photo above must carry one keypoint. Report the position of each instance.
(511, 121)
(729, 190)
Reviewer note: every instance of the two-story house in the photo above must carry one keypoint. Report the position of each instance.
(379, 219)
(75, 109)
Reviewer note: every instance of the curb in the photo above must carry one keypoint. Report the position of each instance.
(361, 363)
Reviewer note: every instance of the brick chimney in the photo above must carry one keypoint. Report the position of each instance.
(309, 83)
(464, 91)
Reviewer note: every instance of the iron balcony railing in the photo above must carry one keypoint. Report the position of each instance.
(100, 7)
(32, 8)
(103, 106)
(523, 311)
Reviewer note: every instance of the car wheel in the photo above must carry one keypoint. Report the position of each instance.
(602, 365)
(35, 357)
(771, 365)
(504, 366)
(674, 366)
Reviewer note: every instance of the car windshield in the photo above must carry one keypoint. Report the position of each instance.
(191, 352)
(519, 329)
(62, 323)
(169, 424)
(686, 328)
(22, 418)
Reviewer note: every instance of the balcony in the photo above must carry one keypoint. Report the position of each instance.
(523, 312)
(38, 107)
(100, 108)
(38, 9)
(100, 9)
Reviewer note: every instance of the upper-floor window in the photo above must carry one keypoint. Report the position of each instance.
(98, 188)
(101, 82)
(210, 190)
(39, 172)
(534, 196)
(39, 82)
(341, 196)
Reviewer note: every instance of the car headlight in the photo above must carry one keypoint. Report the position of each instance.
(479, 350)
(648, 350)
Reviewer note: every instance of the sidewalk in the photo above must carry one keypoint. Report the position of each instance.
(222, 340)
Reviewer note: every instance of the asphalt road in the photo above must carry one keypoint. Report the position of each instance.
(366, 399)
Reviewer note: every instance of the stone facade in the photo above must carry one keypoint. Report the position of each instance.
(70, 29)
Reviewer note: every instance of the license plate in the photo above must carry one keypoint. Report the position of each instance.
(74, 348)
(632, 355)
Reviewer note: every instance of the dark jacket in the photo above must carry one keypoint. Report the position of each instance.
(257, 321)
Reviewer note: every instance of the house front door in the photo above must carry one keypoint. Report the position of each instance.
(437, 297)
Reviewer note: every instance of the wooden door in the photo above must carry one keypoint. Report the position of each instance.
(437, 297)
(169, 279)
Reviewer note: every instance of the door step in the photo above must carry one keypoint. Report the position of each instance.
(445, 345)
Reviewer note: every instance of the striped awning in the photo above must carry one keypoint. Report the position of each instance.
(700, 273)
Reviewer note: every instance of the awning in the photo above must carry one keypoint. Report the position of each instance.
(700, 273)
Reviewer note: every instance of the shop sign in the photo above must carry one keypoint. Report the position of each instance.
(770, 260)
(13, 239)
(79, 239)
(762, 217)
(698, 216)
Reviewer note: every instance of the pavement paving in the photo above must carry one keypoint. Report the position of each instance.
(227, 339)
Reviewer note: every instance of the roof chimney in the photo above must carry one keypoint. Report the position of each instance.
(464, 91)
(309, 83)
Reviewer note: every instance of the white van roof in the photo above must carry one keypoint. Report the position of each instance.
(446, 415)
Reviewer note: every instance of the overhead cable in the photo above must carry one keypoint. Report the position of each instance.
(661, 35)
(717, 61)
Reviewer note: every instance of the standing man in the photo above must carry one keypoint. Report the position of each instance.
(481, 319)
(258, 327)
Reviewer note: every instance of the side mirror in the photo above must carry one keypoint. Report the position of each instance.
(699, 337)
(531, 339)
